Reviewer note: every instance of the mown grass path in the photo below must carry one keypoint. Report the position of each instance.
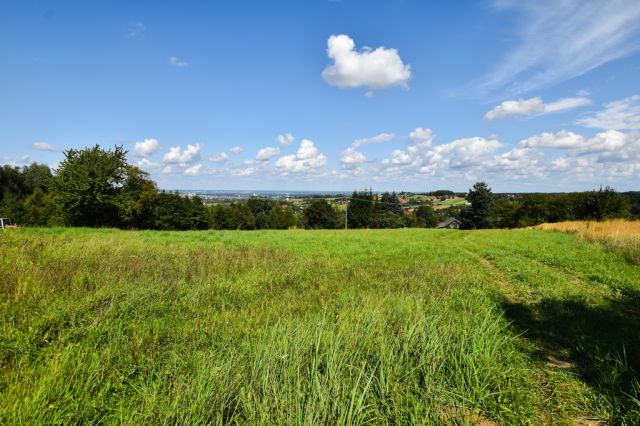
(316, 327)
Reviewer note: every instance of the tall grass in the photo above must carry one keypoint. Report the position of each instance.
(618, 234)
(291, 327)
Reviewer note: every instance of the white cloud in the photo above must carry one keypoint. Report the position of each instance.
(520, 163)
(382, 137)
(146, 147)
(265, 154)
(533, 107)
(566, 104)
(243, 172)
(219, 158)
(177, 62)
(521, 107)
(44, 146)
(399, 157)
(613, 145)
(463, 153)
(560, 140)
(177, 155)
(236, 150)
(147, 164)
(561, 164)
(193, 170)
(307, 158)
(562, 40)
(375, 69)
(618, 115)
(285, 139)
(167, 170)
(421, 139)
(351, 158)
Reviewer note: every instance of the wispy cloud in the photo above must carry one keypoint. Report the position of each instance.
(617, 115)
(177, 62)
(44, 146)
(559, 40)
(136, 30)
(379, 138)
(533, 107)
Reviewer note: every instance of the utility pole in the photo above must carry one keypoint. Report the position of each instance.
(346, 209)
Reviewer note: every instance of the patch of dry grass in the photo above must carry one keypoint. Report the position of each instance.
(618, 234)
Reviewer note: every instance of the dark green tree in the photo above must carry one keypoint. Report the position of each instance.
(602, 204)
(427, 216)
(479, 215)
(320, 215)
(240, 217)
(13, 208)
(87, 185)
(12, 182)
(37, 176)
(195, 215)
(136, 199)
(262, 220)
(169, 212)
(360, 210)
(389, 203)
(281, 218)
(37, 208)
(506, 212)
(257, 205)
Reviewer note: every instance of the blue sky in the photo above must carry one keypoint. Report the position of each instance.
(330, 95)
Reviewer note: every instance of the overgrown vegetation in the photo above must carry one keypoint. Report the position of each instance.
(315, 327)
(617, 235)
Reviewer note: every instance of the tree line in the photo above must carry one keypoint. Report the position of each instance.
(510, 211)
(97, 188)
(94, 187)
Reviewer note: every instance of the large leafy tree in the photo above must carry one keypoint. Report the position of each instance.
(480, 214)
(389, 203)
(281, 218)
(12, 182)
(136, 199)
(240, 217)
(603, 204)
(427, 216)
(360, 209)
(88, 183)
(320, 215)
(37, 176)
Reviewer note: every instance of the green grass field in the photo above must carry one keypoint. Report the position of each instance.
(316, 327)
(458, 201)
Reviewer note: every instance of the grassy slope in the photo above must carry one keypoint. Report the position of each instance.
(389, 326)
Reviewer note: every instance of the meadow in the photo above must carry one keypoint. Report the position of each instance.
(406, 326)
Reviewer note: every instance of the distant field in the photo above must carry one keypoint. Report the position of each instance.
(448, 203)
(316, 327)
